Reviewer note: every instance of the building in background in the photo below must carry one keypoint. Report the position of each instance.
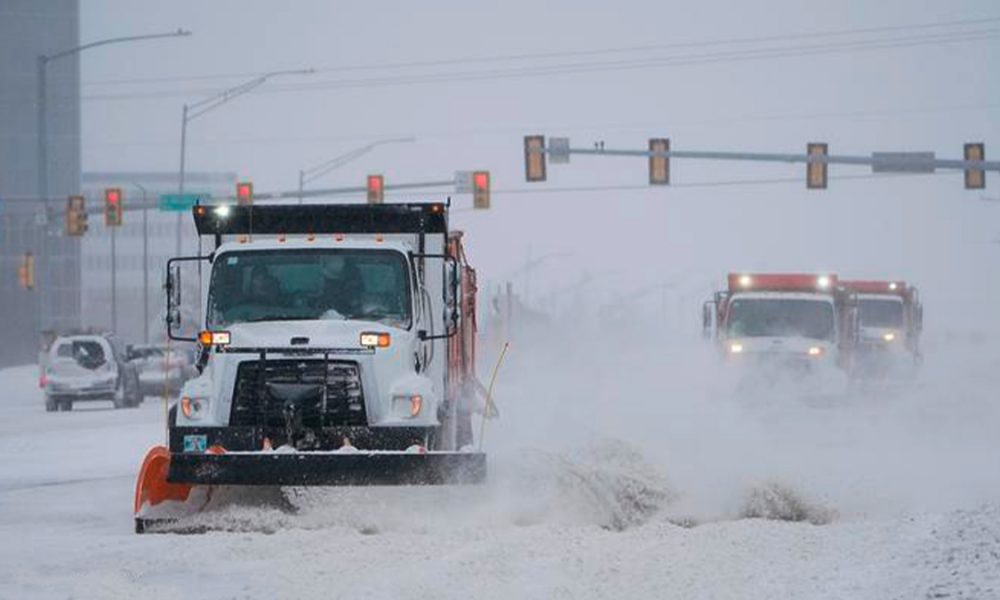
(28, 29)
(140, 302)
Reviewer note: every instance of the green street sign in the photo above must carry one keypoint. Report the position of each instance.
(179, 202)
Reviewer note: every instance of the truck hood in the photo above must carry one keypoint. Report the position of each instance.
(780, 345)
(320, 333)
(878, 334)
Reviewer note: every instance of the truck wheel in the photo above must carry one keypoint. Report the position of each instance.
(50, 404)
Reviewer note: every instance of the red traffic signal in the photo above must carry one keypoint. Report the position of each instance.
(481, 189)
(244, 193)
(376, 189)
(113, 207)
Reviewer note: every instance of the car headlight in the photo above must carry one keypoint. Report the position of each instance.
(194, 408)
(735, 348)
(816, 351)
(889, 336)
(407, 406)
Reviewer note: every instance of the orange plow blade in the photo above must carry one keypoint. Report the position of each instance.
(152, 488)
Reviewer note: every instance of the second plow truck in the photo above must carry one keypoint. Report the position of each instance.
(337, 347)
(777, 326)
(891, 320)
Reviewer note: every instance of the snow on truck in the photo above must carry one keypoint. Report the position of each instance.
(337, 348)
(797, 323)
(891, 320)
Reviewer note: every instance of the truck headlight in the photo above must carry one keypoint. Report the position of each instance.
(407, 406)
(194, 408)
(371, 339)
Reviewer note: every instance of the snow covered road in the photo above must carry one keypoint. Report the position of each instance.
(579, 518)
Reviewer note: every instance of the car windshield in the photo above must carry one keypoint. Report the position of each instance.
(368, 285)
(877, 312)
(779, 317)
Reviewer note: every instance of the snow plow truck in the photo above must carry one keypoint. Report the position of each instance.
(336, 347)
(891, 320)
(802, 325)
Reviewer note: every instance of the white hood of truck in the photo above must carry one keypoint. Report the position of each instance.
(327, 333)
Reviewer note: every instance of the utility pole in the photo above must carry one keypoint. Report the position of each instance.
(43, 151)
(317, 171)
(145, 264)
(191, 112)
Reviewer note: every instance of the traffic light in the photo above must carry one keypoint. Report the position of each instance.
(659, 166)
(481, 189)
(816, 171)
(534, 158)
(26, 272)
(244, 193)
(113, 207)
(76, 216)
(975, 179)
(376, 189)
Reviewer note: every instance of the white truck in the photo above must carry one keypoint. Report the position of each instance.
(337, 348)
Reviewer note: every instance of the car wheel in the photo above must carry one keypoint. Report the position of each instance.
(66, 405)
(133, 393)
(50, 404)
(119, 398)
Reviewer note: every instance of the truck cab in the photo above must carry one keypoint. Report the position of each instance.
(791, 323)
(891, 319)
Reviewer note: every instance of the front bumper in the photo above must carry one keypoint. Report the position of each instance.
(328, 468)
(250, 438)
(102, 392)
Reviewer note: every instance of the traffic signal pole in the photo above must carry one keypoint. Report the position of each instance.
(886, 162)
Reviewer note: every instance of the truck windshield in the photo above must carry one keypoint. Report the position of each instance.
(285, 285)
(881, 312)
(778, 317)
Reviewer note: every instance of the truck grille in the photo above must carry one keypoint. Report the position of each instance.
(320, 393)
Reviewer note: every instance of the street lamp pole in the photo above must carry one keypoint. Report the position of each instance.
(191, 112)
(315, 172)
(145, 265)
(43, 150)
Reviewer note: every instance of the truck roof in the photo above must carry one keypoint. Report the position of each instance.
(302, 242)
(896, 288)
(784, 282)
(227, 219)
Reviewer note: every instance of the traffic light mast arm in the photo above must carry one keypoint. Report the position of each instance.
(790, 158)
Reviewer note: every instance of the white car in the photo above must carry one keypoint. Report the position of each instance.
(85, 368)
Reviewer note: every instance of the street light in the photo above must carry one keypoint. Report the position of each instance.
(193, 111)
(145, 263)
(315, 172)
(42, 133)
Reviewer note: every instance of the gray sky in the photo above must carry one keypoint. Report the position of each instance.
(923, 97)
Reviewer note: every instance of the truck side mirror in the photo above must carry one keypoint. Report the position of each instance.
(707, 316)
